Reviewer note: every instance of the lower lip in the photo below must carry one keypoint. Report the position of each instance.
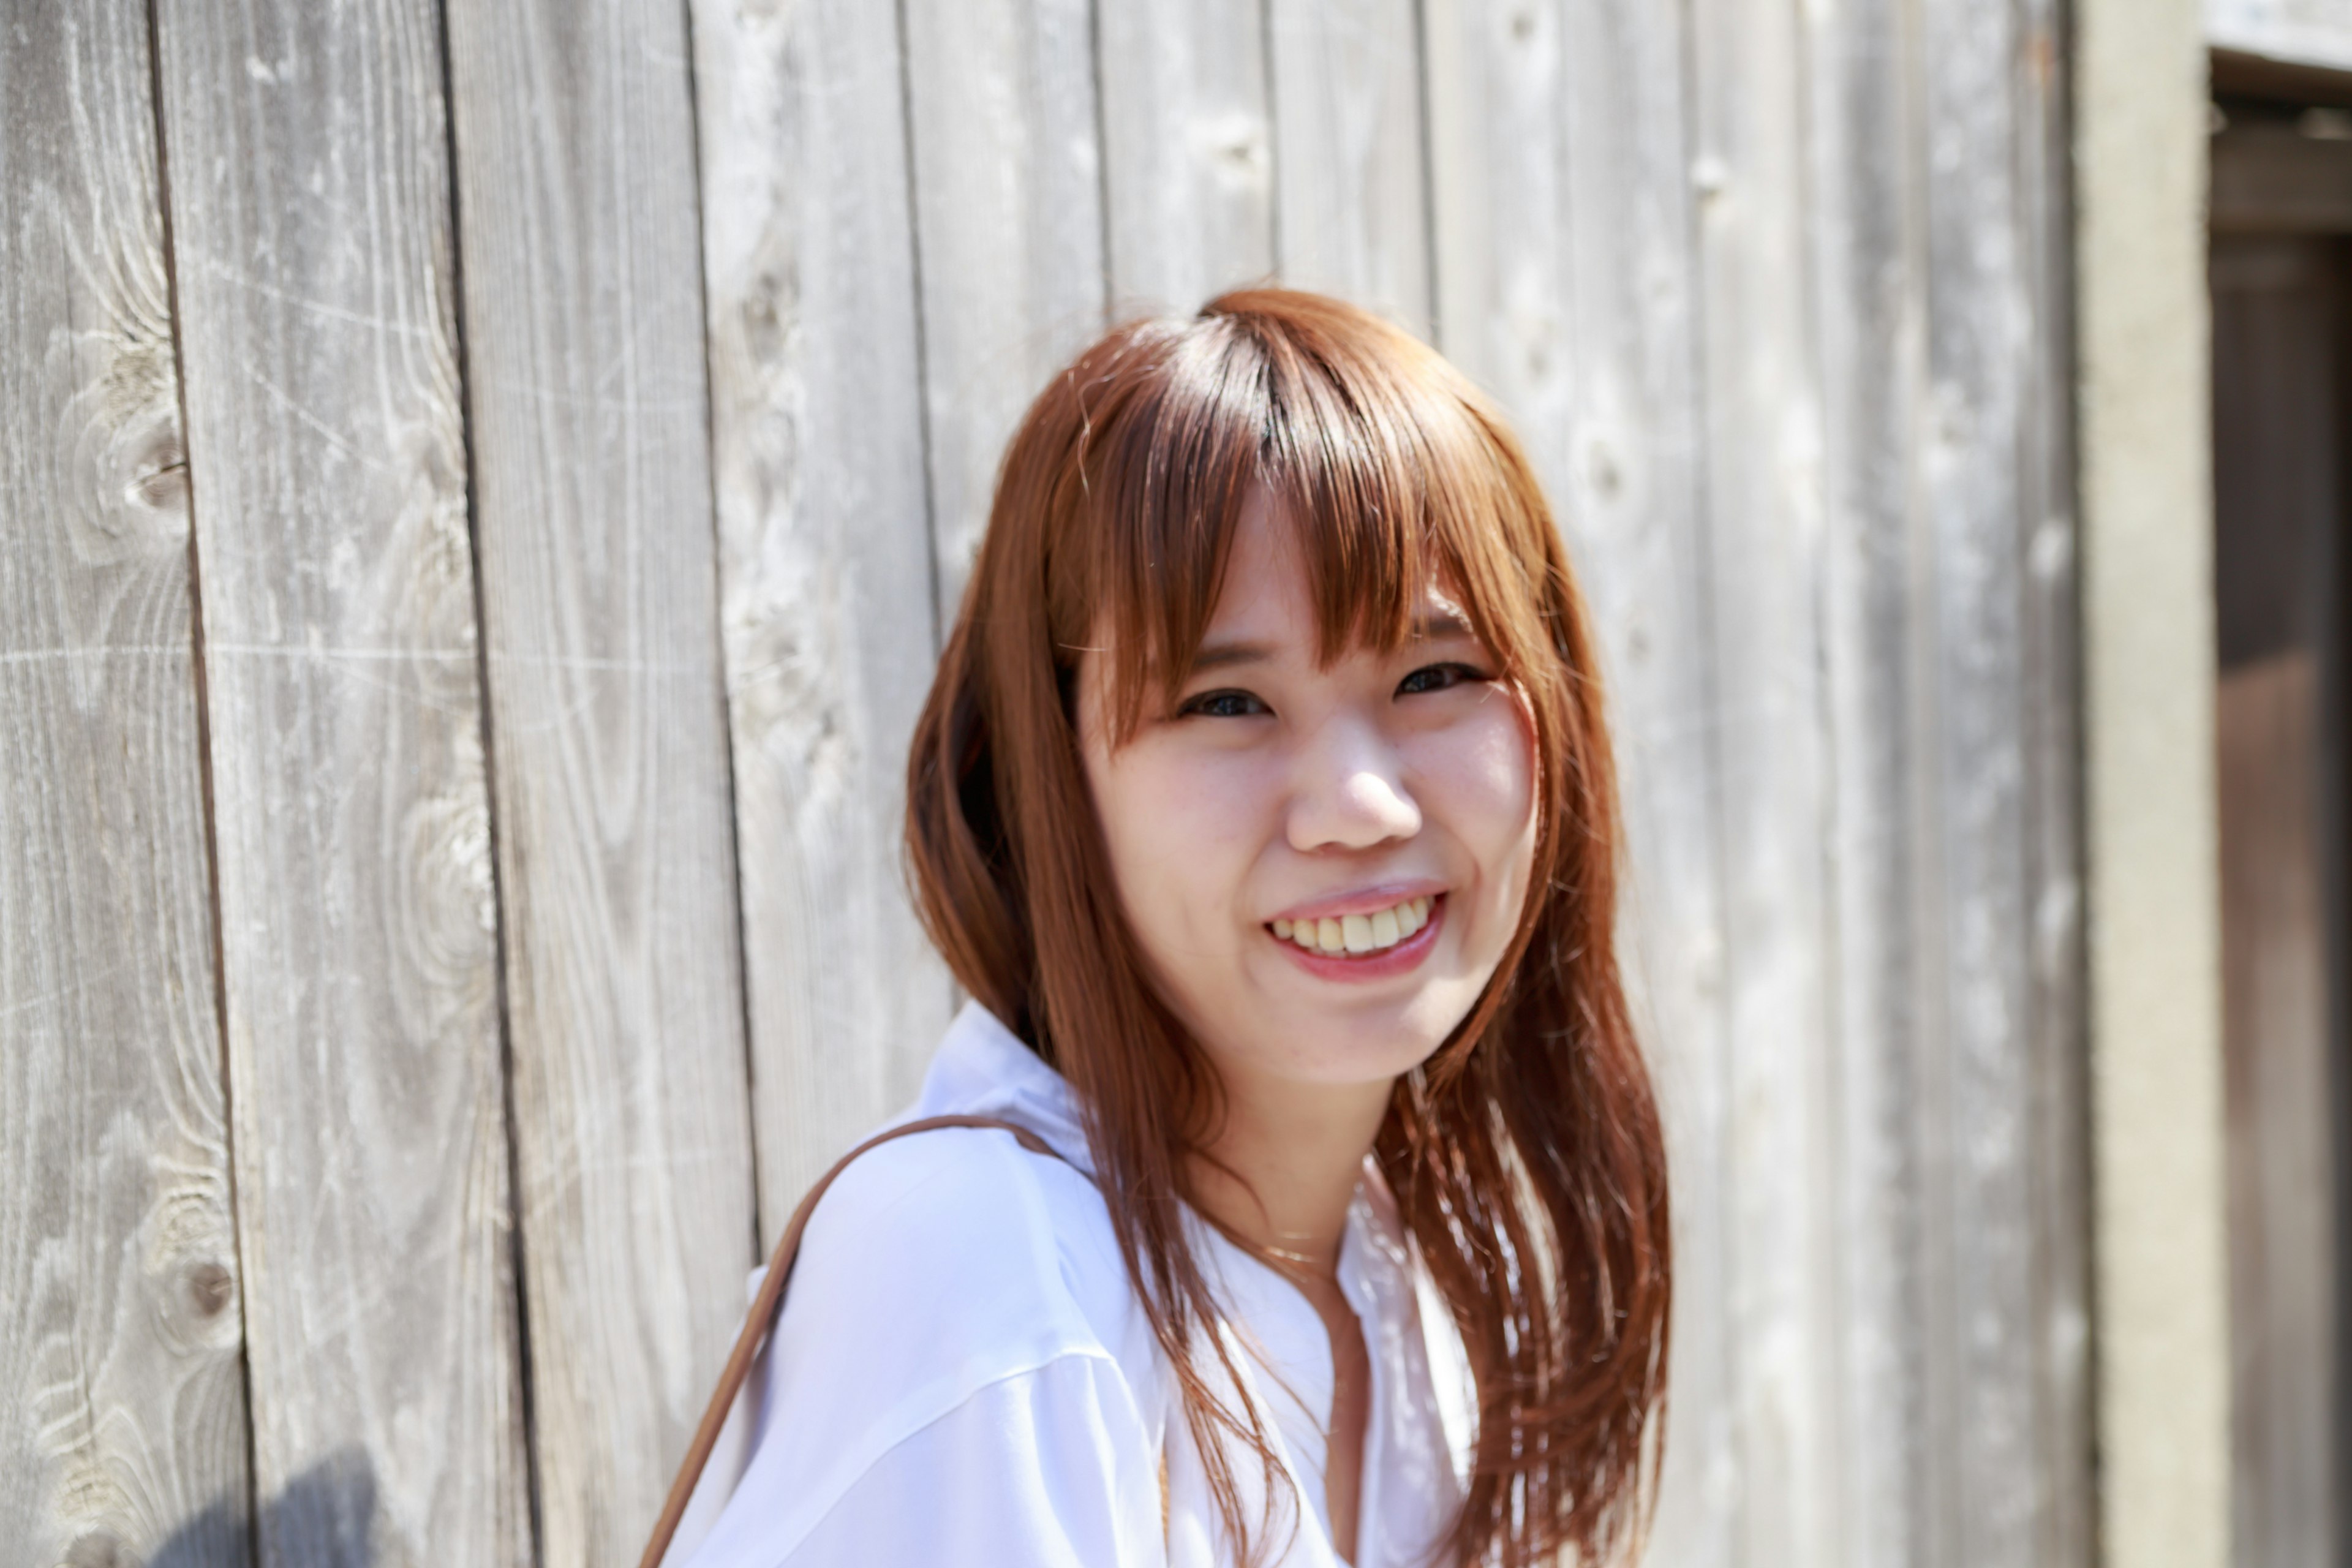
(1389, 960)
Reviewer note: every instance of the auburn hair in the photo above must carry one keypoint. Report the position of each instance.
(1526, 1155)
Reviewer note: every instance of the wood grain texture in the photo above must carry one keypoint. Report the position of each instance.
(1863, 235)
(124, 1430)
(2001, 900)
(1563, 235)
(826, 593)
(1764, 443)
(1009, 224)
(1188, 149)
(2055, 999)
(575, 164)
(1351, 172)
(2282, 1253)
(311, 245)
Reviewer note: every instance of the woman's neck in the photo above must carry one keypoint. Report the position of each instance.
(1290, 1154)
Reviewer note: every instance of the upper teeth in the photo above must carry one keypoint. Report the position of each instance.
(1357, 933)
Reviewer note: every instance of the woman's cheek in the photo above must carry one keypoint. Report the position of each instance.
(1485, 772)
(1193, 828)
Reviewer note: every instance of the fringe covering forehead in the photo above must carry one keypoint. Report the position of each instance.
(1385, 463)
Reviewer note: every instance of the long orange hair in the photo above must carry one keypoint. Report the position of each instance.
(1526, 1156)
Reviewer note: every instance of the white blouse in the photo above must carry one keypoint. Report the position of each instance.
(962, 1375)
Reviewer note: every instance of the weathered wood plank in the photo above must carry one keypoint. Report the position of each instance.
(2056, 1034)
(123, 1436)
(1863, 239)
(1991, 506)
(1009, 224)
(312, 248)
(1188, 149)
(2300, 32)
(826, 594)
(1562, 219)
(575, 167)
(1764, 443)
(1350, 172)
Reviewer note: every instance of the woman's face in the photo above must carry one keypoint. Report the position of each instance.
(1323, 867)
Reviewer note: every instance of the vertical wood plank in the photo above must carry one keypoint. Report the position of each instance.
(1992, 507)
(312, 248)
(826, 593)
(1562, 221)
(1764, 443)
(1862, 245)
(123, 1436)
(1350, 208)
(575, 168)
(2057, 1029)
(1009, 224)
(1188, 149)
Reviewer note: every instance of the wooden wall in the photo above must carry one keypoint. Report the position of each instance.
(482, 486)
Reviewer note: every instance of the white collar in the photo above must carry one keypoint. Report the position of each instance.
(982, 1069)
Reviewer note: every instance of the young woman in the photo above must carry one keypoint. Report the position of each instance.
(1263, 804)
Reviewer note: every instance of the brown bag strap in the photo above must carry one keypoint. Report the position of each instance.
(763, 1315)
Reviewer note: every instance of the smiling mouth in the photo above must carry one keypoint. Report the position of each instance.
(1357, 936)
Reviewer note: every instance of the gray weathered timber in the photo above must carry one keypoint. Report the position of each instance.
(574, 135)
(1763, 445)
(1009, 224)
(120, 1327)
(827, 592)
(1864, 234)
(1187, 148)
(308, 161)
(1563, 225)
(2047, 534)
(1350, 173)
(1997, 877)
(1773, 292)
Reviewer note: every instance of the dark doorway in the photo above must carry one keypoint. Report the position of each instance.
(2281, 271)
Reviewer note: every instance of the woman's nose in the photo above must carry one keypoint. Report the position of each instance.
(1348, 792)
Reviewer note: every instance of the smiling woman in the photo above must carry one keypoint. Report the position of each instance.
(1263, 805)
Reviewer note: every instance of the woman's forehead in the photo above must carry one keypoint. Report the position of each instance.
(1268, 592)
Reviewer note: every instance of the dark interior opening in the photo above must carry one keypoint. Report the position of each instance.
(2280, 274)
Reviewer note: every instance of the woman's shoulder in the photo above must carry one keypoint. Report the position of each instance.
(949, 1283)
(966, 1240)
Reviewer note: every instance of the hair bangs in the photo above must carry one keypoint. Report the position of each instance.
(1388, 479)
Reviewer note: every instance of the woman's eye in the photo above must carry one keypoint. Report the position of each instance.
(1437, 678)
(1221, 705)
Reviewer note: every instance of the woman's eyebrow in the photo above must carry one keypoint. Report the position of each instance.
(1221, 655)
(1225, 655)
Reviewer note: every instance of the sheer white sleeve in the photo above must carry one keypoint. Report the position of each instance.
(1049, 1469)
